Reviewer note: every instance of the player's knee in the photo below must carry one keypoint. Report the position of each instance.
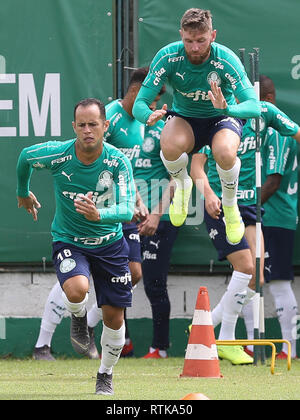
(76, 296)
(113, 317)
(226, 159)
(76, 288)
(245, 266)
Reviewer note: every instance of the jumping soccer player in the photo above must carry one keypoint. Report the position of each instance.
(95, 192)
(206, 77)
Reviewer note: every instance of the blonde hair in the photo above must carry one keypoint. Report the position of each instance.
(196, 19)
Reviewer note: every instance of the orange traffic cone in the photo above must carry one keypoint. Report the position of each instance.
(201, 358)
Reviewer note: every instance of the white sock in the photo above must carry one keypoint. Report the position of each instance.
(162, 353)
(232, 303)
(178, 170)
(77, 309)
(216, 314)
(247, 312)
(52, 316)
(94, 316)
(229, 181)
(112, 342)
(286, 309)
(218, 310)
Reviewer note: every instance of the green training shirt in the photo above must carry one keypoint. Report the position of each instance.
(124, 132)
(141, 144)
(279, 156)
(150, 175)
(191, 83)
(110, 179)
(271, 116)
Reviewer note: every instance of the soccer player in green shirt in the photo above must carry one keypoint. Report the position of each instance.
(238, 255)
(206, 78)
(279, 197)
(94, 192)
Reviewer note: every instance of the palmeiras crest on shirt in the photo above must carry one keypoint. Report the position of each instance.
(213, 77)
(148, 144)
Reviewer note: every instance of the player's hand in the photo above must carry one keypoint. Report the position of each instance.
(141, 211)
(213, 206)
(30, 204)
(148, 227)
(86, 206)
(157, 115)
(216, 96)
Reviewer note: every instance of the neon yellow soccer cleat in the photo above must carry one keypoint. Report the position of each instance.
(235, 354)
(178, 209)
(235, 227)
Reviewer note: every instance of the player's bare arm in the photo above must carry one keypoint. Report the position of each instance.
(149, 226)
(297, 136)
(85, 206)
(270, 186)
(141, 211)
(30, 203)
(212, 201)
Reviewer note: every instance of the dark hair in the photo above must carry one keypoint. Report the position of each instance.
(91, 101)
(196, 19)
(138, 75)
(266, 86)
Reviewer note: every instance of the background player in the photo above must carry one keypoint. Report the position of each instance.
(234, 298)
(279, 197)
(157, 234)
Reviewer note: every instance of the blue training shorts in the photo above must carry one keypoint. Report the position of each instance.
(217, 233)
(279, 250)
(204, 129)
(108, 266)
(131, 234)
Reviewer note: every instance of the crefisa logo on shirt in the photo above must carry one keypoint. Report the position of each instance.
(213, 77)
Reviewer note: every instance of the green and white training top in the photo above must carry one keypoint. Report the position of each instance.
(151, 176)
(279, 156)
(271, 116)
(191, 84)
(141, 144)
(124, 132)
(110, 179)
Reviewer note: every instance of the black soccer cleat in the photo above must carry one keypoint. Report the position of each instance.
(93, 351)
(104, 384)
(43, 353)
(80, 338)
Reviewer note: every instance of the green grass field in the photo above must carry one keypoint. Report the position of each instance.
(140, 379)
